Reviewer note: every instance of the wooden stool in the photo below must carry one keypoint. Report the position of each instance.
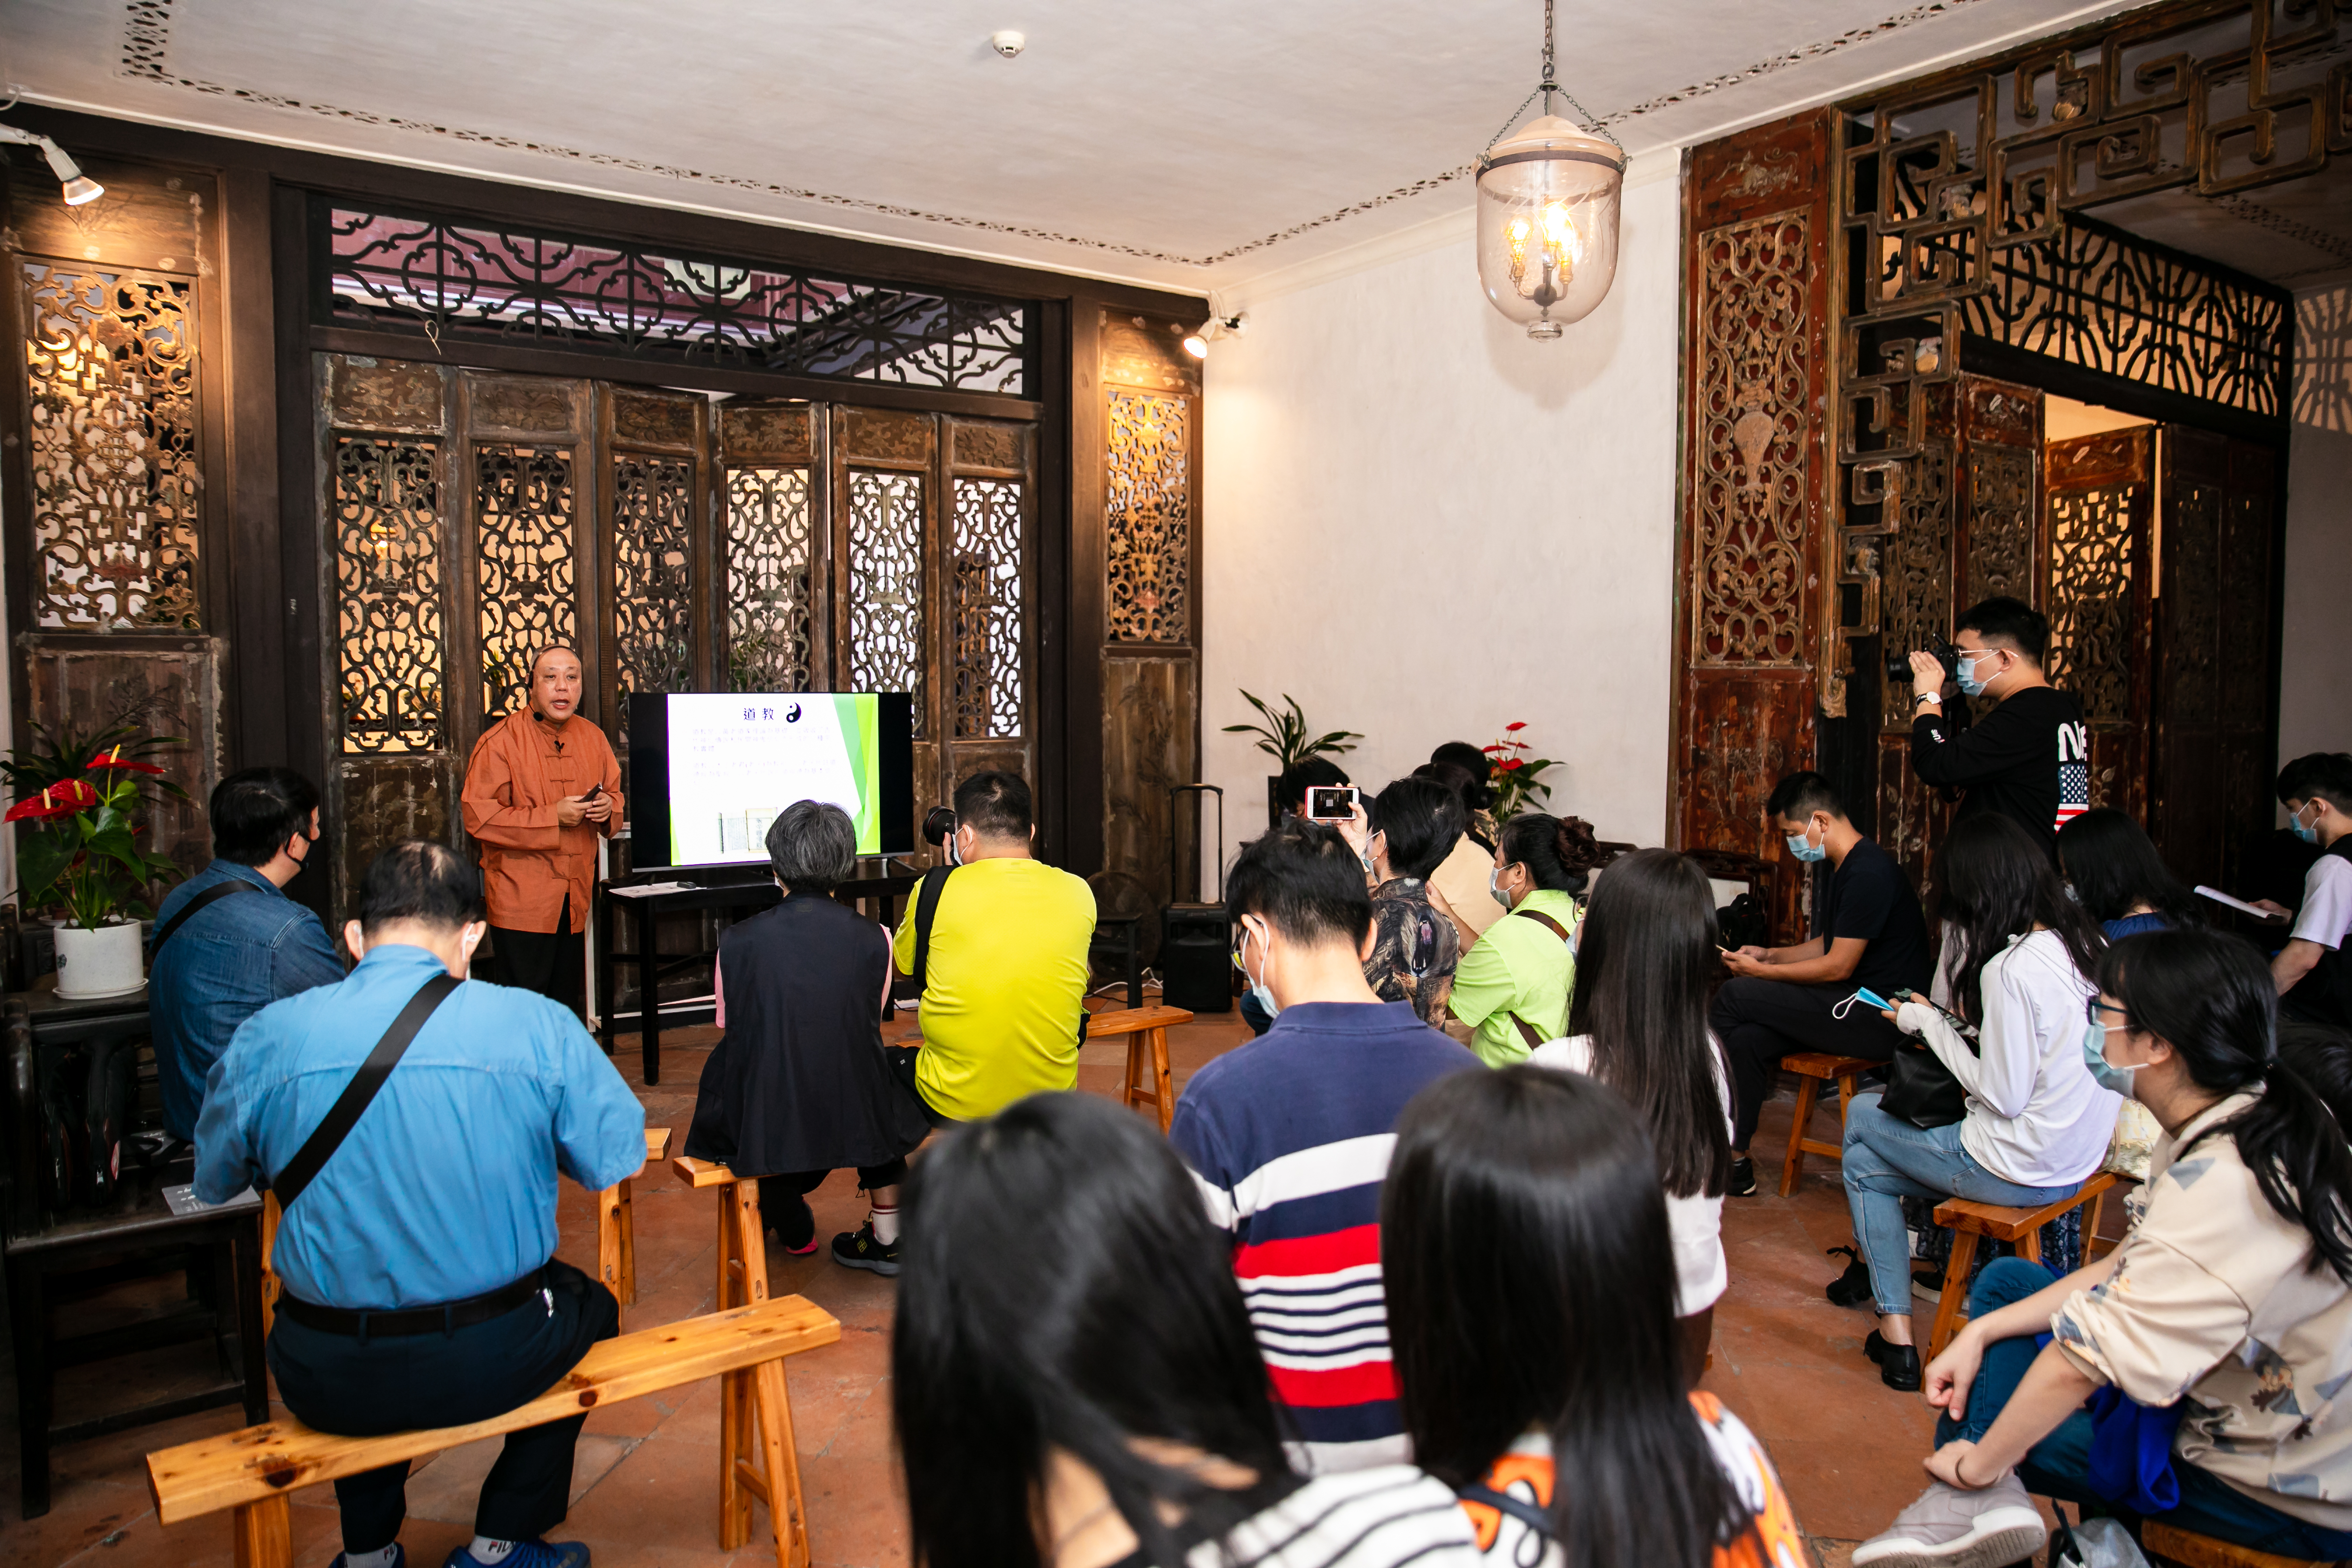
(1146, 1028)
(1969, 1220)
(1812, 1068)
(754, 1392)
(2162, 1539)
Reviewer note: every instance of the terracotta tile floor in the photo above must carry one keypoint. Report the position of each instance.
(645, 1490)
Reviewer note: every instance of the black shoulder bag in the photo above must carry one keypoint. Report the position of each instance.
(1920, 1087)
(358, 1094)
(210, 895)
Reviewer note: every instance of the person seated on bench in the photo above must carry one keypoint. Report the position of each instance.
(1287, 1137)
(419, 1288)
(1075, 1383)
(1510, 990)
(798, 1086)
(1290, 791)
(1005, 972)
(2112, 870)
(2018, 957)
(2227, 1301)
(228, 941)
(1867, 933)
(1466, 878)
(1645, 956)
(1531, 1297)
(2313, 971)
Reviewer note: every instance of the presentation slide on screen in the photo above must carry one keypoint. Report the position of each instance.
(735, 762)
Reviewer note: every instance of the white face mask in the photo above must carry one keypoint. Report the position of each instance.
(1494, 885)
(1258, 988)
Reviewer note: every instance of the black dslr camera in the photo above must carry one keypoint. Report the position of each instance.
(938, 824)
(1899, 664)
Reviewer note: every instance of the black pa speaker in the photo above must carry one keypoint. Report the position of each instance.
(1196, 955)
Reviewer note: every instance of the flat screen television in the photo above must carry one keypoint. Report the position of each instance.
(709, 771)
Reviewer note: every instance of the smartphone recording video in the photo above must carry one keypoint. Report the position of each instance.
(1331, 802)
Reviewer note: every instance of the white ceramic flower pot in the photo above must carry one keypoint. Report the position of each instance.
(107, 962)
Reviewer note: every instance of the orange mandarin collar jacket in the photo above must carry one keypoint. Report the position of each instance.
(522, 766)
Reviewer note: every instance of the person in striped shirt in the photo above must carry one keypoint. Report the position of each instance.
(1289, 1138)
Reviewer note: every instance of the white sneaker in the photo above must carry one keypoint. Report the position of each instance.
(1948, 1528)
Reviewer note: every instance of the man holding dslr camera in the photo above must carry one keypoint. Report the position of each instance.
(2029, 759)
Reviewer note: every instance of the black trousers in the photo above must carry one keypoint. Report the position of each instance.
(554, 964)
(1760, 1021)
(364, 1388)
(783, 1200)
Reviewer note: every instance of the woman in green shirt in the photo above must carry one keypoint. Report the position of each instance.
(1510, 990)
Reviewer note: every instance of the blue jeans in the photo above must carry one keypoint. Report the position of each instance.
(2058, 1465)
(1886, 1160)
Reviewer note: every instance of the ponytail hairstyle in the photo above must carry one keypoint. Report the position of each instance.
(2114, 865)
(1530, 1280)
(1997, 884)
(2210, 997)
(1559, 852)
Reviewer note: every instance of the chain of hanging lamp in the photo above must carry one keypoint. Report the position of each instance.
(1546, 87)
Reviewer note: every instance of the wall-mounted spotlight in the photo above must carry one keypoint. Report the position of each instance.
(80, 188)
(1197, 341)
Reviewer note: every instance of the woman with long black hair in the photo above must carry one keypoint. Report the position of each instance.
(2230, 1298)
(1646, 955)
(1531, 1314)
(2005, 1019)
(2114, 873)
(1077, 1384)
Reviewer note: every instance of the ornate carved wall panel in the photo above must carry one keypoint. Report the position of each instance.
(1915, 569)
(770, 578)
(1149, 708)
(653, 577)
(527, 573)
(984, 604)
(766, 432)
(390, 649)
(387, 799)
(1148, 518)
(2100, 503)
(114, 447)
(167, 686)
(1754, 413)
(887, 649)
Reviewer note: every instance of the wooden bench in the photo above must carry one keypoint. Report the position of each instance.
(1812, 1069)
(744, 1393)
(1969, 1219)
(253, 1470)
(1146, 1029)
(616, 1237)
(2162, 1539)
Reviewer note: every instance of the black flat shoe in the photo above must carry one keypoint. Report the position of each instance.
(1741, 1183)
(1851, 1288)
(1898, 1365)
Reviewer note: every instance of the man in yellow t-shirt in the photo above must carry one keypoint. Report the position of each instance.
(1004, 991)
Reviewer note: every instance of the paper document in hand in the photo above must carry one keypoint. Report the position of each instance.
(2219, 897)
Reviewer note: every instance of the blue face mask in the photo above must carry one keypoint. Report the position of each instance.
(1967, 672)
(2094, 1056)
(1801, 845)
(2306, 831)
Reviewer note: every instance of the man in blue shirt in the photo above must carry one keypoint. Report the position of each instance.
(234, 953)
(419, 1284)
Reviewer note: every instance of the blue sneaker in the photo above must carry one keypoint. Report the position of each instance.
(399, 1557)
(526, 1554)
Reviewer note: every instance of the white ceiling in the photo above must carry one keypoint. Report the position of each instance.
(1217, 145)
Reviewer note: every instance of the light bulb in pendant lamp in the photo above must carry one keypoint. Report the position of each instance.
(1548, 201)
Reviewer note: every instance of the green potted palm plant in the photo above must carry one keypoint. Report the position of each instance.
(1284, 737)
(80, 806)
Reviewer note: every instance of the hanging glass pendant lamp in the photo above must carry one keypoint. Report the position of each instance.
(1548, 198)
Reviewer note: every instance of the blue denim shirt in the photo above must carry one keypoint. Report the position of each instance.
(238, 955)
(445, 1187)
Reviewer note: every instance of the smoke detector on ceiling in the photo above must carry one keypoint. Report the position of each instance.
(1007, 42)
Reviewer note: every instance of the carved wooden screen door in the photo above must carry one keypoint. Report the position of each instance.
(471, 517)
(2096, 589)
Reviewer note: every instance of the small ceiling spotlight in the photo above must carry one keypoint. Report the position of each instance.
(80, 188)
(1197, 341)
(1007, 42)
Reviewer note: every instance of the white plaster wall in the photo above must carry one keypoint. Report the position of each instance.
(2316, 683)
(1425, 526)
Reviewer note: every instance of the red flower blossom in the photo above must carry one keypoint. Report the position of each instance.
(1512, 729)
(57, 800)
(113, 761)
(1510, 762)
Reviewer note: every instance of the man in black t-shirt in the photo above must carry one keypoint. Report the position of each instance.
(1867, 933)
(2030, 758)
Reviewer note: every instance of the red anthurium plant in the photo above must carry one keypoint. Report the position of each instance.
(78, 802)
(1513, 778)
